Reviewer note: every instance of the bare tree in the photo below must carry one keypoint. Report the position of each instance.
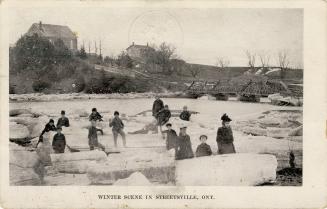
(194, 70)
(251, 56)
(264, 60)
(222, 63)
(283, 62)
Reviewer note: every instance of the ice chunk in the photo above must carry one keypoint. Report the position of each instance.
(135, 179)
(75, 156)
(254, 131)
(296, 131)
(18, 132)
(227, 170)
(278, 132)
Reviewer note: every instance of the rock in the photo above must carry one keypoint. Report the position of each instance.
(78, 156)
(135, 179)
(18, 132)
(25, 167)
(278, 132)
(254, 131)
(296, 131)
(227, 170)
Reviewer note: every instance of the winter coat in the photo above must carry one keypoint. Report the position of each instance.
(163, 117)
(95, 116)
(63, 122)
(116, 124)
(171, 141)
(203, 150)
(185, 115)
(157, 106)
(184, 148)
(48, 128)
(59, 143)
(93, 136)
(225, 140)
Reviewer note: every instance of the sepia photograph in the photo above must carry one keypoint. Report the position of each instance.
(155, 97)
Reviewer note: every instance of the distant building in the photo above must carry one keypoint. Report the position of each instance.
(138, 52)
(53, 33)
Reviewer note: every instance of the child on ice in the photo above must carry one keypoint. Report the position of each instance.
(184, 146)
(203, 149)
(117, 128)
(59, 142)
(171, 140)
(93, 137)
(63, 120)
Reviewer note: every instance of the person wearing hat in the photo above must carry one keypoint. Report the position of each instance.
(93, 137)
(203, 149)
(59, 142)
(63, 120)
(225, 137)
(185, 114)
(171, 140)
(184, 145)
(157, 106)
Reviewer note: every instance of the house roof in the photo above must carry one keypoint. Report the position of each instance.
(139, 46)
(48, 30)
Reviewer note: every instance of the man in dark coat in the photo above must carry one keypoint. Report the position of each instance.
(184, 146)
(225, 137)
(171, 141)
(63, 121)
(59, 142)
(185, 114)
(203, 149)
(95, 115)
(157, 106)
(164, 116)
(93, 137)
(117, 128)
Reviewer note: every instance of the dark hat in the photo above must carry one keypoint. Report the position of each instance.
(168, 124)
(203, 136)
(63, 112)
(225, 118)
(94, 109)
(51, 121)
(116, 113)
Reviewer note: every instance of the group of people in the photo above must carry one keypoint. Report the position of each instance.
(181, 143)
(59, 140)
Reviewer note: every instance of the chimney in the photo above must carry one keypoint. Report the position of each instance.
(40, 25)
(133, 43)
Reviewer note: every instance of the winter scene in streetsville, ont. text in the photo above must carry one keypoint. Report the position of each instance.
(165, 97)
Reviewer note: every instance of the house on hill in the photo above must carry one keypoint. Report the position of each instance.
(139, 52)
(53, 33)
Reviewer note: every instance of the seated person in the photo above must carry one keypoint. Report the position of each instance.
(203, 149)
(185, 114)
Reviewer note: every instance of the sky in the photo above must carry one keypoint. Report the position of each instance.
(200, 35)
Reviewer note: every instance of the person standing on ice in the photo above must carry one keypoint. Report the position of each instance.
(203, 149)
(171, 141)
(93, 137)
(117, 128)
(184, 146)
(48, 127)
(163, 116)
(225, 137)
(95, 116)
(59, 141)
(185, 114)
(63, 121)
(156, 107)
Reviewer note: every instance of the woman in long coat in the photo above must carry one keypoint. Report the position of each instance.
(225, 137)
(184, 146)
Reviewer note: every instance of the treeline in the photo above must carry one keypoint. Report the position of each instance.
(37, 65)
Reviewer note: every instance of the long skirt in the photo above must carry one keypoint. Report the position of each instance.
(226, 148)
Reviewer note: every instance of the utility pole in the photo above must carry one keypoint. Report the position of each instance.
(89, 47)
(95, 47)
(100, 48)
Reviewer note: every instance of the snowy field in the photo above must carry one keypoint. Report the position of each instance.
(205, 122)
